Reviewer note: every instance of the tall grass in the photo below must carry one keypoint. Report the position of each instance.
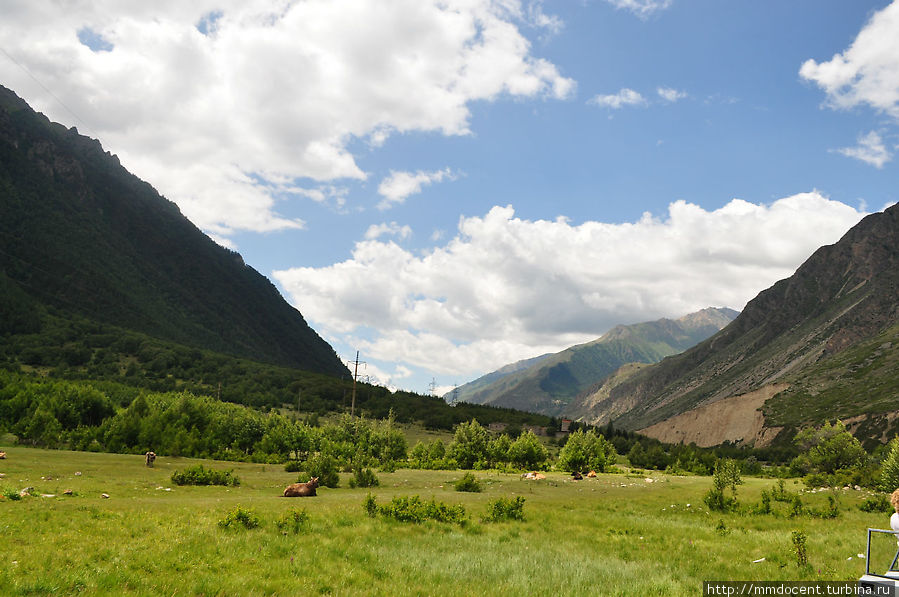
(612, 535)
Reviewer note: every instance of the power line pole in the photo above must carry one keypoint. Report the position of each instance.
(355, 375)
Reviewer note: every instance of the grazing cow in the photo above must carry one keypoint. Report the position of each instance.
(302, 489)
(151, 456)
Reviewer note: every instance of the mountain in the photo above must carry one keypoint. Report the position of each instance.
(81, 235)
(817, 346)
(547, 384)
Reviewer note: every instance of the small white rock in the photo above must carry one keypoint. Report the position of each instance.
(104, 495)
(758, 560)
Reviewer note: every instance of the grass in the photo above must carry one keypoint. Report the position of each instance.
(616, 533)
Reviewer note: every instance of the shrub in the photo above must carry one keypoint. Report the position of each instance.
(764, 506)
(727, 474)
(240, 517)
(877, 503)
(11, 494)
(780, 494)
(370, 506)
(364, 477)
(199, 475)
(832, 510)
(505, 509)
(469, 483)
(799, 548)
(324, 467)
(293, 466)
(889, 470)
(293, 521)
(796, 507)
(413, 509)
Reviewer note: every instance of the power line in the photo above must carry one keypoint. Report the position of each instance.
(45, 88)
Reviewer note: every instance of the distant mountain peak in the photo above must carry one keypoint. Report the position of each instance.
(548, 384)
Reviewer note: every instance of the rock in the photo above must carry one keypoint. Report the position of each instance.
(2, 455)
(48, 495)
(105, 496)
(78, 474)
(68, 492)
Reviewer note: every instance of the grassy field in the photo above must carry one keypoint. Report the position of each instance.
(613, 535)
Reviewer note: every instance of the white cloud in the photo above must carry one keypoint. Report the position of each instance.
(625, 97)
(671, 95)
(506, 288)
(392, 229)
(868, 71)
(870, 149)
(400, 185)
(641, 8)
(225, 105)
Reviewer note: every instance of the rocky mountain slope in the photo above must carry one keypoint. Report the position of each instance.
(547, 384)
(79, 234)
(825, 339)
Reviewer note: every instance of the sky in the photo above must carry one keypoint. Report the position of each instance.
(449, 186)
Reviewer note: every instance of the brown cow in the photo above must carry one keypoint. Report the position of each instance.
(302, 489)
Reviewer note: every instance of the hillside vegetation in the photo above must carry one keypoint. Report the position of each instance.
(81, 235)
(548, 384)
(828, 331)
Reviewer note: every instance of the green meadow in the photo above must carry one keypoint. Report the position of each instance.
(616, 534)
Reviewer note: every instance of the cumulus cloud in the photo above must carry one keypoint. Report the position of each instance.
(868, 71)
(392, 229)
(625, 97)
(870, 149)
(400, 185)
(227, 105)
(641, 8)
(506, 288)
(671, 95)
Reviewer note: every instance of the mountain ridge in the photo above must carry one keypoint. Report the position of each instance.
(80, 233)
(548, 383)
(843, 296)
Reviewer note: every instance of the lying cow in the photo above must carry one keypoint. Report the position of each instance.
(302, 489)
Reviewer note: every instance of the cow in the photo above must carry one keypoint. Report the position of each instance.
(151, 456)
(302, 489)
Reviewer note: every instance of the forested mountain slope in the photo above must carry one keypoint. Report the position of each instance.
(549, 383)
(81, 235)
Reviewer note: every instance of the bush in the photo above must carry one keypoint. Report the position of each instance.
(502, 509)
(412, 509)
(240, 517)
(199, 475)
(469, 483)
(832, 510)
(364, 477)
(370, 506)
(293, 521)
(877, 503)
(325, 468)
(293, 466)
(11, 494)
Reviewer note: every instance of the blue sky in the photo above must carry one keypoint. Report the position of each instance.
(451, 186)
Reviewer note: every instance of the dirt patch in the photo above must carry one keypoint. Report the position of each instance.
(735, 419)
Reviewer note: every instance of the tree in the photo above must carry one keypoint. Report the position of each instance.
(889, 470)
(585, 451)
(527, 451)
(727, 474)
(830, 448)
(469, 444)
